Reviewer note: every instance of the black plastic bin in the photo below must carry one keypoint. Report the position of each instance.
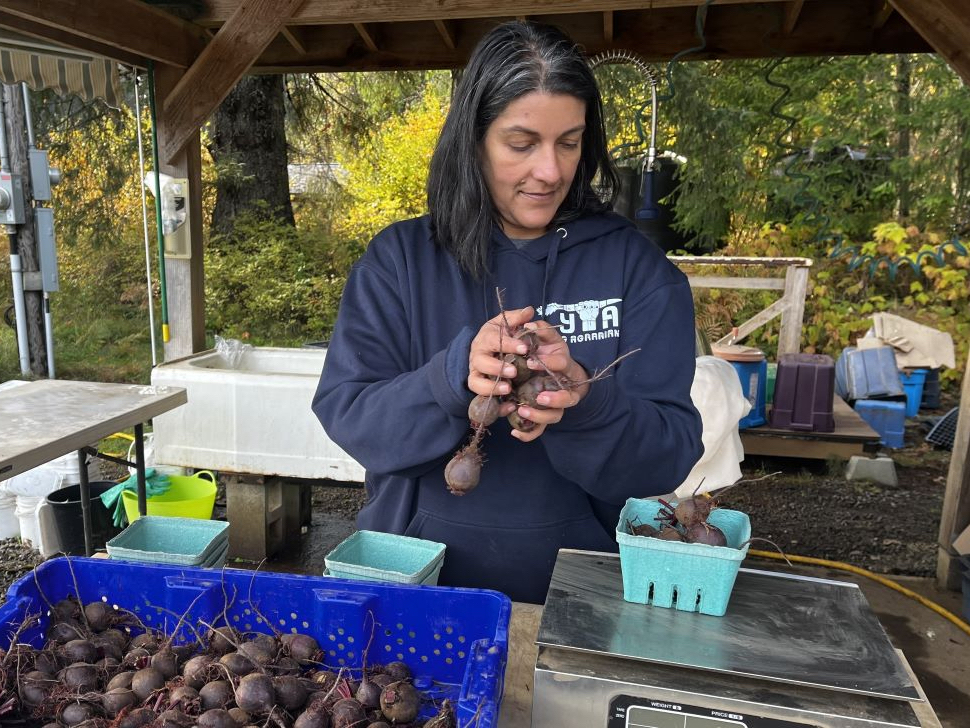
(65, 506)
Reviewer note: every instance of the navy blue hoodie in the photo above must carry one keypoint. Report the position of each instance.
(393, 394)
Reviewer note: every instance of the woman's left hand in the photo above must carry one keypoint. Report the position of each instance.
(552, 355)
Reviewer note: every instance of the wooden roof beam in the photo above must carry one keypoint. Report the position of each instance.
(337, 12)
(883, 11)
(945, 25)
(793, 9)
(135, 29)
(239, 42)
(367, 35)
(293, 40)
(447, 32)
(45, 33)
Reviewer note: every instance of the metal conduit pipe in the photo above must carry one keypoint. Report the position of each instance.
(16, 267)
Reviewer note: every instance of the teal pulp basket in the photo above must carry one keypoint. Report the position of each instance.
(388, 557)
(690, 577)
(172, 540)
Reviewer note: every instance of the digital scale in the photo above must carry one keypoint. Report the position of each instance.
(790, 652)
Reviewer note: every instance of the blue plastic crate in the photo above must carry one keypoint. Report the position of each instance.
(913, 381)
(376, 556)
(688, 576)
(886, 417)
(866, 373)
(754, 387)
(454, 640)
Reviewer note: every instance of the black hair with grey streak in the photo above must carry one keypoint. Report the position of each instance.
(512, 60)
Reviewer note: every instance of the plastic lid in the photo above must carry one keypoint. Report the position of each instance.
(737, 352)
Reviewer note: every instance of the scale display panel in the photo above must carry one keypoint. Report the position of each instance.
(627, 711)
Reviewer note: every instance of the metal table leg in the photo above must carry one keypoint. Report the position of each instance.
(85, 502)
(140, 469)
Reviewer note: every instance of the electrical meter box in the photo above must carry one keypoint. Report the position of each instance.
(175, 219)
(11, 199)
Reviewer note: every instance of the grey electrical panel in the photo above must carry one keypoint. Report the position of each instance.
(11, 199)
(40, 174)
(44, 222)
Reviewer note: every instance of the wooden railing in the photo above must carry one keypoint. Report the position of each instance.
(791, 305)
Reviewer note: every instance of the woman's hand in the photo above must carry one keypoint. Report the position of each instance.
(552, 355)
(489, 375)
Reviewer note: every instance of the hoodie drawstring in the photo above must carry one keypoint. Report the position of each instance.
(561, 234)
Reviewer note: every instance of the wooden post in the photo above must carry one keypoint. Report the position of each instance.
(956, 502)
(184, 277)
(796, 285)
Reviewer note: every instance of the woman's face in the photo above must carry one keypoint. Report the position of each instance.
(529, 158)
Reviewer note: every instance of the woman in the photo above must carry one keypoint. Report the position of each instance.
(513, 208)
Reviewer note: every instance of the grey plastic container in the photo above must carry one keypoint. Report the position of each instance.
(171, 540)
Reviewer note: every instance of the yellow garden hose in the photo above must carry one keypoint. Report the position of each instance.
(945, 613)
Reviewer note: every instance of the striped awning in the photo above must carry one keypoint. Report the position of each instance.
(61, 69)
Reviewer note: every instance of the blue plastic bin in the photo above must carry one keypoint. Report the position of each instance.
(454, 640)
(688, 576)
(754, 386)
(867, 373)
(886, 417)
(913, 380)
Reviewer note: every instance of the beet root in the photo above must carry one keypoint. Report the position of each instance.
(691, 511)
(348, 713)
(255, 694)
(483, 410)
(705, 533)
(463, 471)
(400, 702)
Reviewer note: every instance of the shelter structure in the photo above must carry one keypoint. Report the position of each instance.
(201, 48)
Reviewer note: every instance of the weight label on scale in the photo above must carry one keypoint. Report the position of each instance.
(631, 712)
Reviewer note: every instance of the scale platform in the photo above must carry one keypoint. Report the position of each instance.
(790, 651)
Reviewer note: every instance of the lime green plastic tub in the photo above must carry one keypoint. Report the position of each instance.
(188, 496)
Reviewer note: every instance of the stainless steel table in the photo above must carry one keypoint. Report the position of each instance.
(43, 420)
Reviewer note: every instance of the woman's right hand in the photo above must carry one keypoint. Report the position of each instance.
(484, 364)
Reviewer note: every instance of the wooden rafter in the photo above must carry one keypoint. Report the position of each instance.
(323, 12)
(367, 35)
(447, 33)
(883, 11)
(135, 29)
(946, 26)
(217, 69)
(293, 40)
(61, 37)
(608, 26)
(793, 9)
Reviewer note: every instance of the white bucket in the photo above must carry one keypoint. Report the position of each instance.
(37, 524)
(45, 479)
(9, 523)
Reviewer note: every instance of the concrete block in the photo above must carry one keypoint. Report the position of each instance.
(264, 514)
(880, 469)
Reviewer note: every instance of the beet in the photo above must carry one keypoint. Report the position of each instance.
(691, 511)
(237, 663)
(520, 423)
(173, 719)
(148, 641)
(216, 718)
(669, 533)
(121, 680)
(216, 694)
(313, 718)
(35, 687)
(79, 677)
(137, 718)
(146, 681)
(239, 715)
(255, 694)
(705, 533)
(301, 647)
(75, 713)
(400, 702)
(463, 471)
(107, 647)
(258, 651)
(66, 631)
(522, 371)
(348, 713)
(369, 694)
(67, 609)
(195, 671)
(99, 616)
(223, 640)
(79, 651)
(397, 670)
(185, 699)
(290, 693)
(483, 410)
(166, 662)
(117, 699)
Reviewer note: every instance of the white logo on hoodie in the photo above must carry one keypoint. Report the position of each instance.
(590, 320)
